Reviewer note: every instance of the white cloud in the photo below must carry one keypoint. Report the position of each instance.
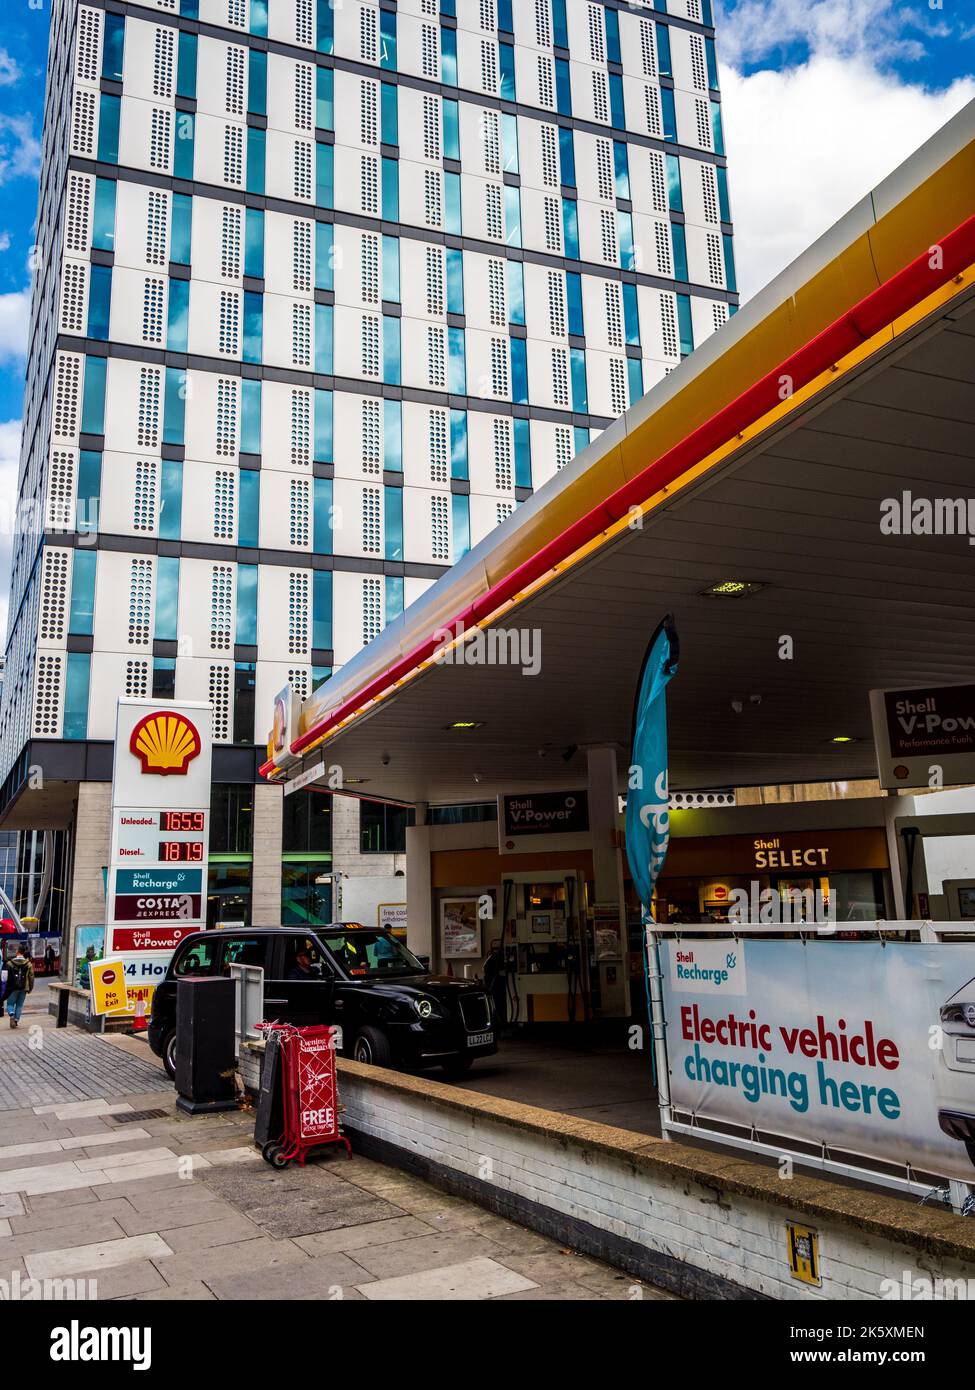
(4, 241)
(9, 465)
(879, 30)
(14, 324)
(10, 71)
(20, 150)
(807, 143)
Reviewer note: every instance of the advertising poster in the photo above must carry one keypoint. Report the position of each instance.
(859, 1046)
(461, 928)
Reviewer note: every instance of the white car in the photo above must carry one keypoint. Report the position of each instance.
(956, 1098)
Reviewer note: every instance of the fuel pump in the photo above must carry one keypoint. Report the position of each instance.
(543, 947)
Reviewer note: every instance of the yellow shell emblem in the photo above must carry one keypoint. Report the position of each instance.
(165, 743)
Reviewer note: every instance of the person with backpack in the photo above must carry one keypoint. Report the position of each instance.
(20, 982)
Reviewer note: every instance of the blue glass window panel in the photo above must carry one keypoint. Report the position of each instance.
(387, 39)
(393, 436)
(560, 28)
(523, 453)
(448, 57)
(617, 110)
(621, 165)
(325, 175)
(390, 193)
(325, 256)
(323, 339)
(624, 229)
(323, 516)
(634, 372)
(249, 504)
(391, 287)
(321, 609)
(570, 228)
(679, 238)
(729, 262)
(506, 55)
(669, 113)
(181, 236)
(254, 243)
(580, 390)
(167, 598)
(325, 28)
(257, 81)
(455, 281)
(89, 491)
(186, 65)
(663, 50)
(81, 622)
(256, 159)
(516, 292)
(458, 444)
(178, 319)
(706, 13)
(99, 301)
(253, 325)
(612, 35)
(189, 9)
(113, 47)
(723, 202)
(390, 113)
(394, 597)
(174, 406)
(453, 220)
(505, 20)
(258, 18)
(323, 426)
(171, 500)
(391, 350)
(325, 98)
(250, 415)
(580, 439)
(512, 214)
(509, 143)
(393, 523)
(451, 129)
(319, 675)
(675, 193)
(631, 314)
(185, 145)
(717, 127)
(247, 605)
(519, 371)
(76, 686)
(567, 156)
(712, 64)
(685, 324)
(109, 112)
(93, 400)
(563, 87)
(460, 507)
(573, 295)
(456, 361)
(103, 222)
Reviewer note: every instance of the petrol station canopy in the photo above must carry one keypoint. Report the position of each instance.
(745, 495)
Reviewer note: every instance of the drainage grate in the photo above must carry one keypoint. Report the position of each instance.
(140, 1115)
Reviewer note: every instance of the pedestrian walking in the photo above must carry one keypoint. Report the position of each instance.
(20, 982)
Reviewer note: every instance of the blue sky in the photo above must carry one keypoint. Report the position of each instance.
(822, 99)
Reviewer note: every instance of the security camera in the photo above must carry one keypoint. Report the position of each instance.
(754, 699)
(737, 706)
(541, 752)
(385, 759)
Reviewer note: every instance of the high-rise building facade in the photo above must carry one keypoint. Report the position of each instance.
(323, 290)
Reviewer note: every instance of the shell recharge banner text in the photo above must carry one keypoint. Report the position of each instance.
(856, 1045)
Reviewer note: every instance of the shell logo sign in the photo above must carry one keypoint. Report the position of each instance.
(165, 744)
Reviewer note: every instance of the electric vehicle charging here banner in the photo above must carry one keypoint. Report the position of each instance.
(852, 1044)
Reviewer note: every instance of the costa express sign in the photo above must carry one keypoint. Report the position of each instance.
(165, 743)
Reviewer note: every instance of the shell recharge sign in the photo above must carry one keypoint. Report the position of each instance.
(157, 874)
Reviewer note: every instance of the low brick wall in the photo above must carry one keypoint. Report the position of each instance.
(702, 1224)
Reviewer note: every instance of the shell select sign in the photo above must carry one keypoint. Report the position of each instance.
(165, 743)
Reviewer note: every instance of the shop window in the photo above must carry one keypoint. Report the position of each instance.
(307, 824)
(463, 815)
(382, 829)
(231, 818)
(229, 892)
(306, 892)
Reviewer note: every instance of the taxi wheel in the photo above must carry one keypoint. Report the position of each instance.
(372, 1045)
(169, 1054)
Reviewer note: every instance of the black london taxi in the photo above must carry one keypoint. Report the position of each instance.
(391, 1010)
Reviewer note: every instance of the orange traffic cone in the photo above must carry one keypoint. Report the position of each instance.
(140, 1023)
